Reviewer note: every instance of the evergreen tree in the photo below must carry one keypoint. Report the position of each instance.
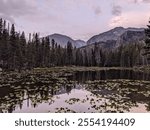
(79, 58)
(64, 57)
(69, 53)
(4, 44)
(86, 63)
(52, 53)
(1, 32)
(12, 49)
(102, 58)
(93, 58)
(43, 53)
(30, 56)
(37, 50)
(1, 28)
(22, 51)
(147, 42)
(47, 52)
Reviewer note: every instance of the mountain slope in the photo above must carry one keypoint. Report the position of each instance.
(63, 40)
(110, 39)
(118, 36)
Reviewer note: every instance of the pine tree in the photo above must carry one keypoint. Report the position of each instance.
(37, 50)
(102, 58)
(4, 44)
(22, 51)
(86, 63)
(64, 56)
(43, 53)
(30, 56)
(147, 44)
(12, 49)
(1, 28)
(18, 54)
(52, 53)
(69, 53)
(59, 56)
(47, 52)
(93, 58)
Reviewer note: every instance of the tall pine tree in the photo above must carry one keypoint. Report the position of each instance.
(147, 42)
(12, 49)
(69, 53)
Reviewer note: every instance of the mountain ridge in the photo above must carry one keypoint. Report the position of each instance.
(63, 40)
(109, 39)
(112, 34)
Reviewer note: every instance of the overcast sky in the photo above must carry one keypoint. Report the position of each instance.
(79, 19)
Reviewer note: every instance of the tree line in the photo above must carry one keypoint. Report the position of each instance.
(18, 53)
(124, 56)
(147, 44)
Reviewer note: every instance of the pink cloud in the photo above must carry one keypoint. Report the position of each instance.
(129, 19)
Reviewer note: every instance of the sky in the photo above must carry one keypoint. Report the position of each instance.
(79, 19)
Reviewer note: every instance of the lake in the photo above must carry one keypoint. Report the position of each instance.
(60, 91)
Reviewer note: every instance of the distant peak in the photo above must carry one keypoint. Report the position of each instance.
(79, 40)
(57, 34)
(119, 28)
(113, 34)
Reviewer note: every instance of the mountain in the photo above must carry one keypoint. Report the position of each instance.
(81, 43)
(110, 39)
(63, 40)
(118, 36)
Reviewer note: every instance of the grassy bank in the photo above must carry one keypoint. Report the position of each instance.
(78, 68)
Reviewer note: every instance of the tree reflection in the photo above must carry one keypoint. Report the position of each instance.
(120, 95)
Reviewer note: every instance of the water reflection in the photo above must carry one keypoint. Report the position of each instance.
(104, 91)
(82, 76)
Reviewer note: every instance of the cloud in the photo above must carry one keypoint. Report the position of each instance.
(129, 19)
(9, 9)
(136, 1)
(97, 10)
(117, 21)
(140, 1)
(146, 1)
(116, 10)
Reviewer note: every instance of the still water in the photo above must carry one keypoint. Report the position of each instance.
(90, 91)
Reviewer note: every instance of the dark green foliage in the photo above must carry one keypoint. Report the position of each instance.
(4, 44)
(1, 28)
(18, 54)
(69, 53)
(147, 44)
